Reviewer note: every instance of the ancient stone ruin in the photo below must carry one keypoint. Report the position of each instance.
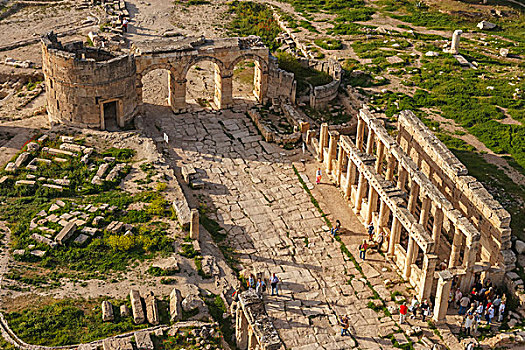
(415, 191)
(90, 87)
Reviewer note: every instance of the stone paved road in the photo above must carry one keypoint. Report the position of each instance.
(275, 227)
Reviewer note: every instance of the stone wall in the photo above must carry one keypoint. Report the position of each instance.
(281, 84)
(80, 79)
(467, 194)
(320, 96)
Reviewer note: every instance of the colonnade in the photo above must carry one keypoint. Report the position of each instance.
(385, 187)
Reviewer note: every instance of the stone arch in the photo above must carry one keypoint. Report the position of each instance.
(222, 85)
(260, 78)
(194, 60)
(149, 68)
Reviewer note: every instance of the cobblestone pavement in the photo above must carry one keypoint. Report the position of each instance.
(273, 224)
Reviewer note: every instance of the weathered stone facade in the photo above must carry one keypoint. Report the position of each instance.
(81, 81)
(416, 192)
(92, 88)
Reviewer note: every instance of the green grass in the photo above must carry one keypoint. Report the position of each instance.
(250, 18)
(329, 43)
(66, 322)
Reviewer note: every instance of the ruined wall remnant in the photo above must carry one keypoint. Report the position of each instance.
(322, 95)
(93, 88)
(254, 328)
(79, 80)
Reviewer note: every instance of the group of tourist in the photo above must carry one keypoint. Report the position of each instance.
(481, 303)
(260, 285)
(423, 308)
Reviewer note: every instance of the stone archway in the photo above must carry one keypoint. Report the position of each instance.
(260, 77)
(222, 82)
(171, 77)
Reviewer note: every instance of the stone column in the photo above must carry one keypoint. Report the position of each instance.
(360, 133)
(223, 89)
(370, 141)
(390, 167)
(360, 192)
(177, 93)
(456, 247)
(241, 329)
(380, 156)
(425, 211)
(194, 224)
(350, 176)
(469, 259)
(410, 258)
(442, 293)
(436, 228)
(323, 141)
(395, 232)
(401, 181)
(339, 168)
(427, 275)
(332, 149)
(412, 198)
(372, 204)
(454, 48)
(252, 340)
(260, 82)
(384, 214)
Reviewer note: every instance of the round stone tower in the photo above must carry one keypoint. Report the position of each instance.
(88, 87)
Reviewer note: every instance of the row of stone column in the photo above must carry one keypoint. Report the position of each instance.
(223, 88)
(341, 158)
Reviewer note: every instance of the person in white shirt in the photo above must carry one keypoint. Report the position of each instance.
(501, 311)
(469, 321)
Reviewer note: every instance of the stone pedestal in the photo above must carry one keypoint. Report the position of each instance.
(194, 224)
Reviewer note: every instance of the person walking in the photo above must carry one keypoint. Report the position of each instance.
(469, 322)
(463, 304)
(457, 297)
(403, 310)
(501, 311)
(251, 281)
(125, 25)
(362, 249)
(496, 302)
(318, 176)
(274, 284)
(371, 232)
(335, 228)
(490, 314)
(414, 304)
(425, 308)
(260, 288)
(380, 240)
(345, 324)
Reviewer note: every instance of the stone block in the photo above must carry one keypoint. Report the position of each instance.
(136, 307)
(175, 305)
(143, 340)
(107, 311)
(124, 311)
(66, 232)
(152, 309)
(81, 239)
(21, 159)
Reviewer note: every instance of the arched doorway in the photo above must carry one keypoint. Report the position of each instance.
(155, 87)
(243, 82)
(249, 72)
(207, 83)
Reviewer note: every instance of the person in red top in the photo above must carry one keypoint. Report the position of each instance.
(403, 310)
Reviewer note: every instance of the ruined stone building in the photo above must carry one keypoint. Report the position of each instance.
(412, 188)
(90, 87)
